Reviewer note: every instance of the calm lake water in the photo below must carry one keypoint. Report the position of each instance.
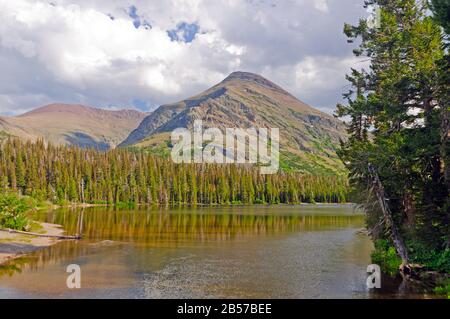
(304, 251)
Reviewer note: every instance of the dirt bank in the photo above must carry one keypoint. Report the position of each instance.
(15, 245)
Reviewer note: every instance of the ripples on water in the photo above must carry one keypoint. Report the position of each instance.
(223, 252)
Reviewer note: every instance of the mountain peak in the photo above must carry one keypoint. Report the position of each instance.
(242, 75)
(254, 78)
(247, 100)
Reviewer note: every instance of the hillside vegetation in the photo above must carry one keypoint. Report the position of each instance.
(63, 174)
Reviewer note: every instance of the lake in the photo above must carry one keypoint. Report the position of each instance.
(302, 251)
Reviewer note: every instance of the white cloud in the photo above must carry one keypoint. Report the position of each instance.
(321, 5)
(91, 52)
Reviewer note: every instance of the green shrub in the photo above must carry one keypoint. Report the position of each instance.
(12, 212)
(100, 202)
(386, 257)
(125, 205)
(443, 288)
(62, 202)
(431, 258)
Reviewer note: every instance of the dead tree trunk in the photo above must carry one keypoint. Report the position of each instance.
(396, 237)
(445, 153)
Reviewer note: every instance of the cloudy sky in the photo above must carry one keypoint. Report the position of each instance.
(141, 54)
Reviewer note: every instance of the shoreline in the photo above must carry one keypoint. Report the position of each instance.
(13, 245)
(87, 205)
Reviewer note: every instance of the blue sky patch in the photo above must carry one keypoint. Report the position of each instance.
(132, 12)
(184, 32)
(137, 20)
(141, 105)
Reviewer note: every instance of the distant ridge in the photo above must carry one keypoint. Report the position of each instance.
(73, 124)
(79, 109)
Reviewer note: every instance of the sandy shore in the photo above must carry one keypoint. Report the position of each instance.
(16, 245)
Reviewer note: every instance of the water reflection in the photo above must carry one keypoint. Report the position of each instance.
(260, 252)
(200, 225)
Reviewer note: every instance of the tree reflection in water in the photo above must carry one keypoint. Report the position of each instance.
(171, 228)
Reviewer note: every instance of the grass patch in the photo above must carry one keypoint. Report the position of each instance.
(36, 227)
(22, 239)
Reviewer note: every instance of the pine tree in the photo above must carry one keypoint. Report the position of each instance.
(395, 119)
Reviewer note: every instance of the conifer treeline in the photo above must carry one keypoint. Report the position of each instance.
(64, 174)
